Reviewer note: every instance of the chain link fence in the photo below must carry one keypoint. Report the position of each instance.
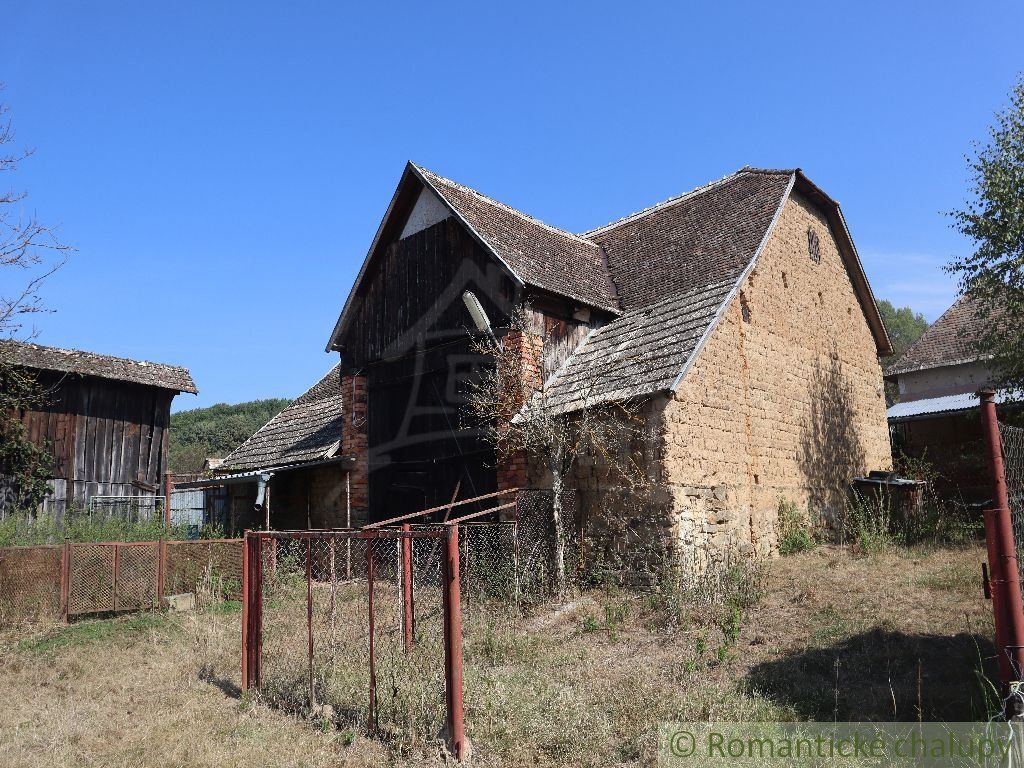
(351, 628)
(30, 584)
(53, 582)
(131, 509)
(1013, 464)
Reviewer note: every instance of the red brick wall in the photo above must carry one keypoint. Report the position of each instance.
(355, 442)
(526, 352)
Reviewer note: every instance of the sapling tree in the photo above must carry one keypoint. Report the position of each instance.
(523, 411)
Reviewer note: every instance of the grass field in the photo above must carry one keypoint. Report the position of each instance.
(897, 635)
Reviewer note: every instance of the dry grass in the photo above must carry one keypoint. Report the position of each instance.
(582, 684)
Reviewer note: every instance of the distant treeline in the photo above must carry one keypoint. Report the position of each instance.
(216, 431)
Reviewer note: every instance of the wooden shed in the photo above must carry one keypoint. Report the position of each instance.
(104, 420)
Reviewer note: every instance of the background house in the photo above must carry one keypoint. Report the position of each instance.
(936, 417)
(104, 421)
(292, 473)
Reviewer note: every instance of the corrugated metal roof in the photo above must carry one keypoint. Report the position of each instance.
(945, 404)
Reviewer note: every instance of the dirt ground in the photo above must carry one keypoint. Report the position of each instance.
(898, 635)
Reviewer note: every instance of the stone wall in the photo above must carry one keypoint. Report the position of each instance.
(785, 401)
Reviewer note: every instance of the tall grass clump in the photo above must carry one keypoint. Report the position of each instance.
(795, 532)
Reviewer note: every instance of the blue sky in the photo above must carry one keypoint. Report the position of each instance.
(222, 167)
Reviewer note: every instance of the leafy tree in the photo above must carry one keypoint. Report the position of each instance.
(993, 217)
(903, 325)
(29, 253)
(216, 431)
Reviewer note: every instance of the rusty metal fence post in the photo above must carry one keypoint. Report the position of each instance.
(252, 610)
(371, 719)
(456, 731)
(1005, 576)
(161, 572)
(407, 597)
(65, 581)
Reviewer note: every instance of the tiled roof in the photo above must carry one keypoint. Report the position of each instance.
(698, 239)
(307, 430)
(946, 342)
(642, 352)
(541, 255)
(102, 366)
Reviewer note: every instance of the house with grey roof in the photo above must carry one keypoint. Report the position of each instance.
(738, 313)
(104, 421)
(936, 418)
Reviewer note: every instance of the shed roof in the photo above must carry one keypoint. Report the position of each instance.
(307, 430)
(75, 361)
(945, 404)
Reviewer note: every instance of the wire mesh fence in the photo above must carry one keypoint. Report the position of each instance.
(131, 509)
(30, 583)
(52, 582)
(351, 628)
(1013, 463)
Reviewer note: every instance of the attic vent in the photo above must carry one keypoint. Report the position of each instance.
(813, 246)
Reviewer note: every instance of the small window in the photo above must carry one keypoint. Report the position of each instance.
(813, 245)
(785, 282)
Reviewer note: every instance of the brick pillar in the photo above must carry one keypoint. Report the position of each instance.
(355, 442)
(525, 352)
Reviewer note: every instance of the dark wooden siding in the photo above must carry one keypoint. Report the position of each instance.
(413, 294)
(105, 437)
(409, 338)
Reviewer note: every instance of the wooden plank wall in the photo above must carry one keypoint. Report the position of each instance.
(413, 294)
(106, 437)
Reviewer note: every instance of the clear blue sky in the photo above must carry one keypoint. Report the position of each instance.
(222, 167)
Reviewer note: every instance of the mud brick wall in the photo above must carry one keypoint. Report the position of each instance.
(785, 401)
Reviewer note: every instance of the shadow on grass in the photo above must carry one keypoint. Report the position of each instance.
(883, 675)
(229, 688)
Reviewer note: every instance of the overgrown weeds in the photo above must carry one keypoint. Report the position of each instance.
(796, 532)
(25, 529)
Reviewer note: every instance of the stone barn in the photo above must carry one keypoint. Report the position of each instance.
(738, 313)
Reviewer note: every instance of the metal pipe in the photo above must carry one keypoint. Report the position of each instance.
(1005, 547)
(309, 616)
(372, 714)
(407, 605)
(456, 730)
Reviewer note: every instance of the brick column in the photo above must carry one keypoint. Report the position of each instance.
(355, 442)
(525, 351)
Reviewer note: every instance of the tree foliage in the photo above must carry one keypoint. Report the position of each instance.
(903, 325)
(993, 217)
(216, 431)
